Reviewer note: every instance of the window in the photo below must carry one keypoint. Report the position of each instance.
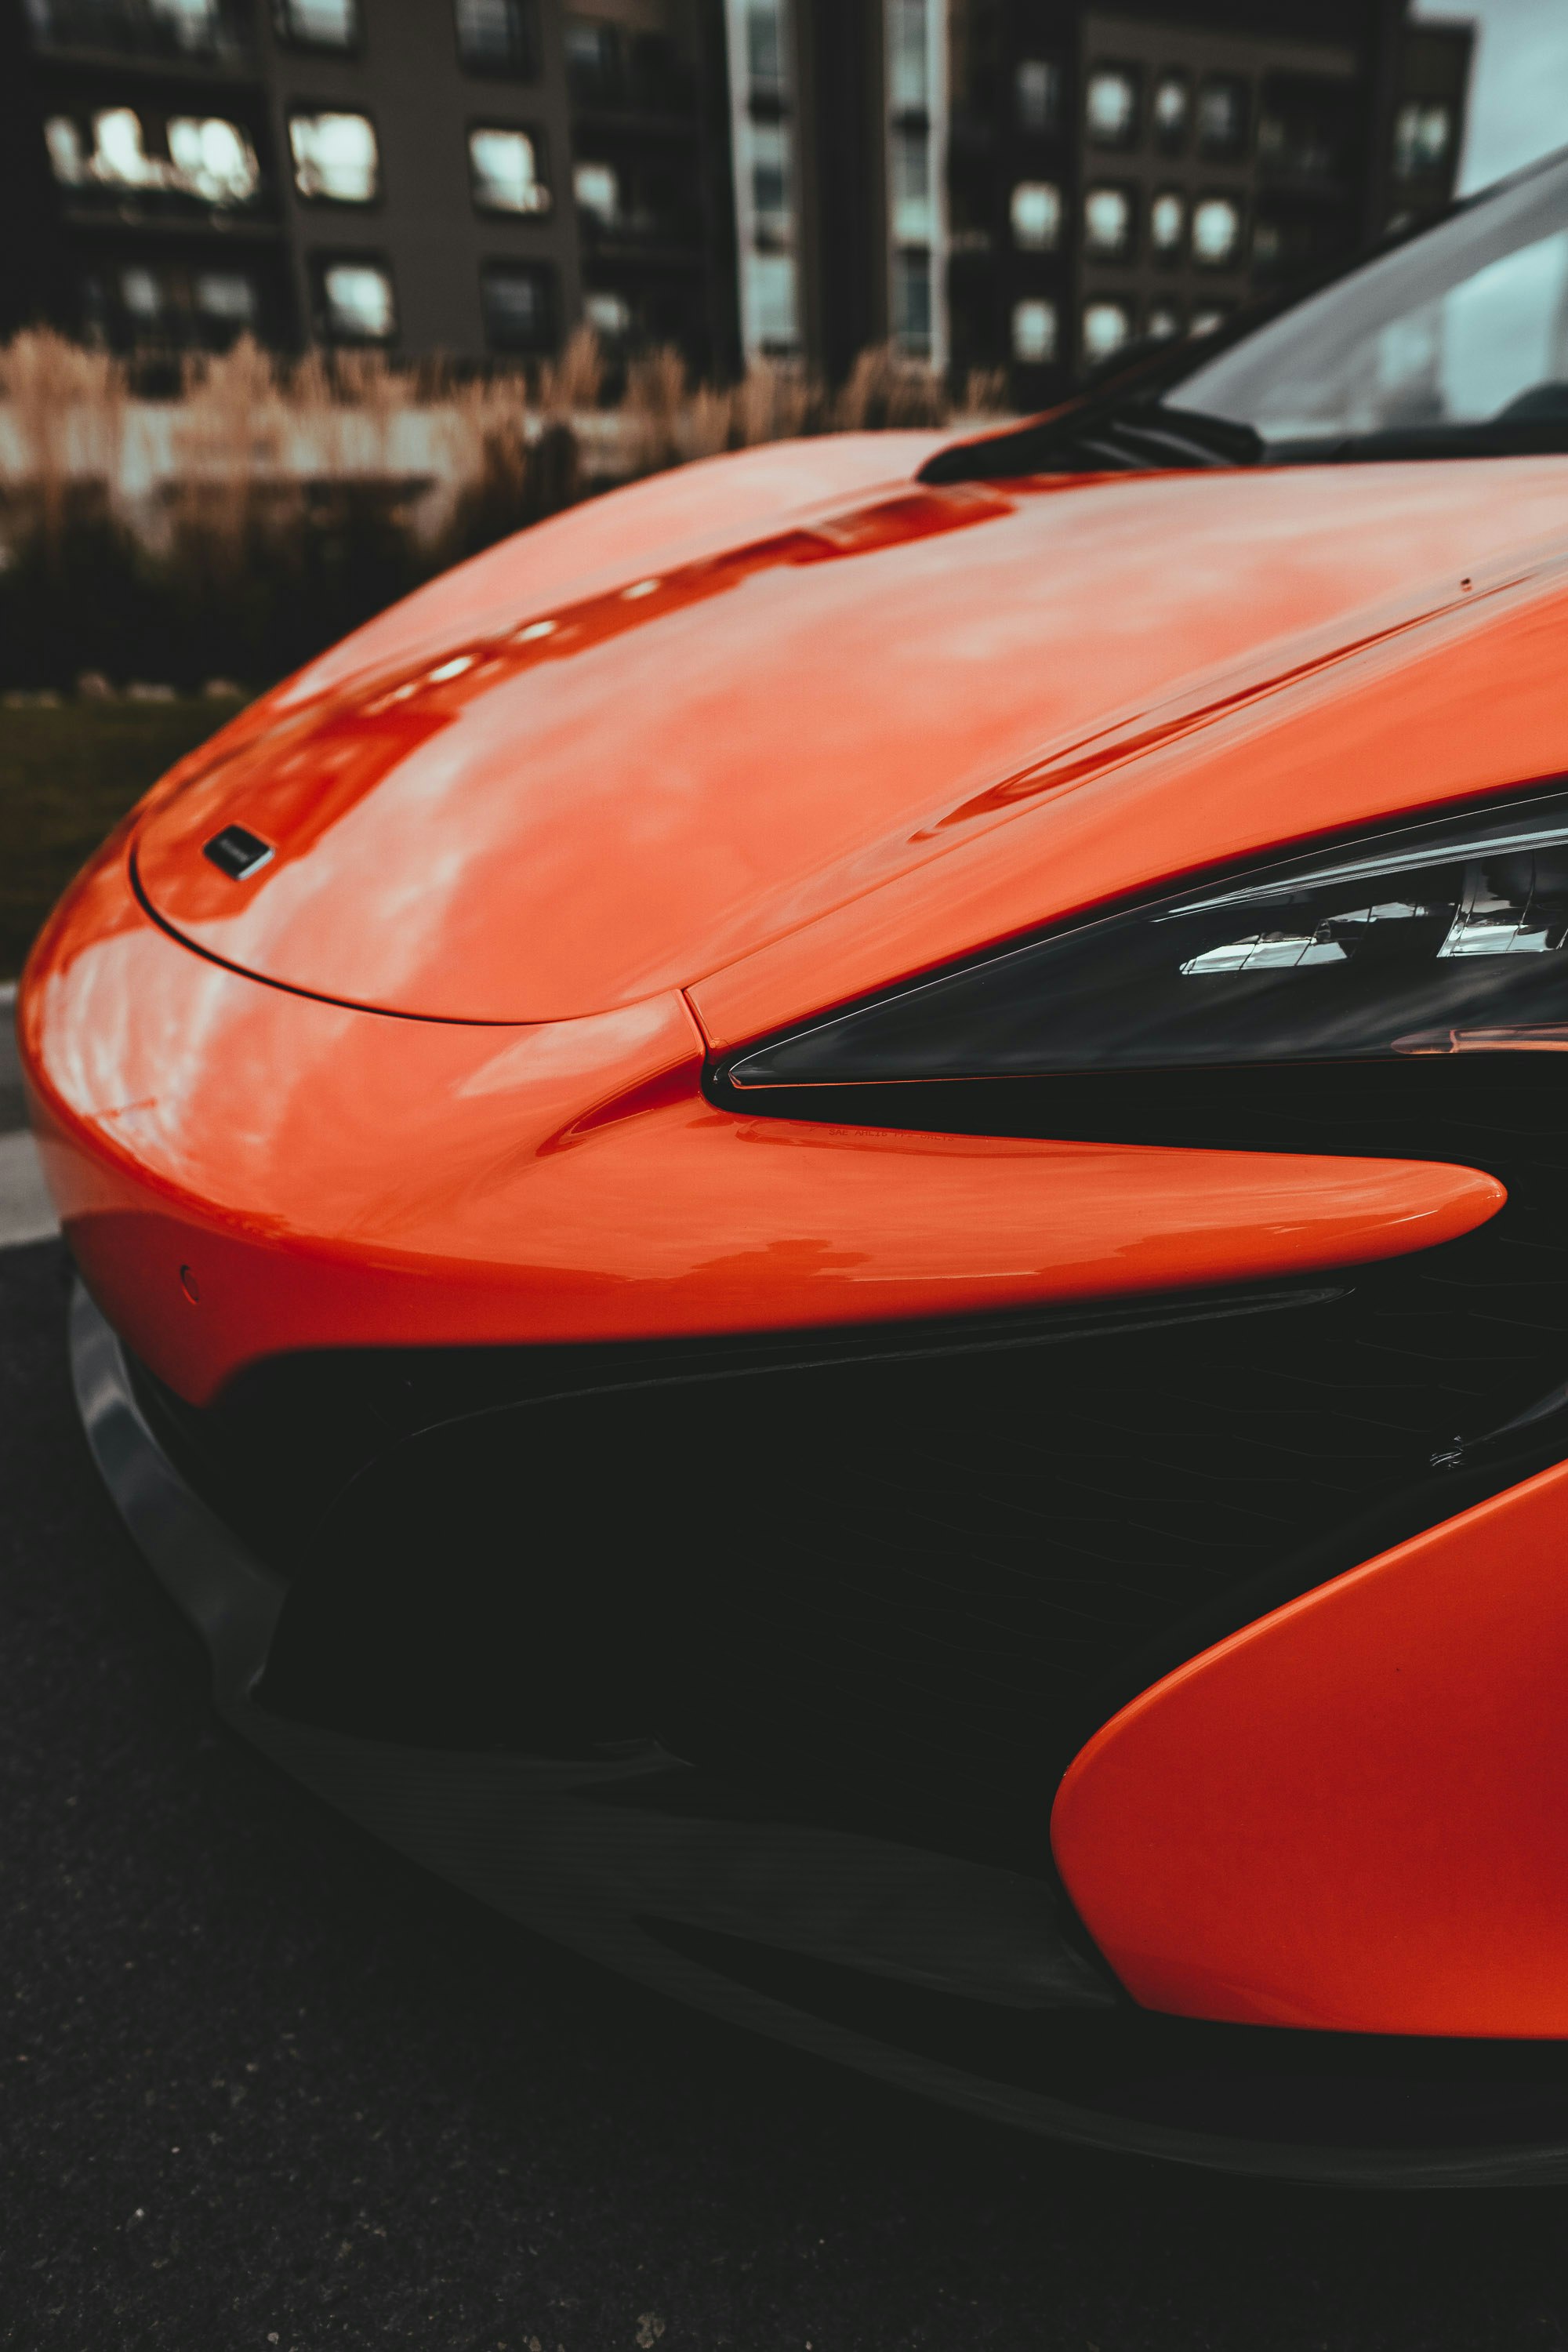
(1036, 94)
(1108, 223)
(609, 67)
(662, 76)
(335, 158)
(319, 24)
(192, 25)
(1034, 331)
(1173, 103)
(1168, 222)
(213, 158)
(910, 305)
(505, 172)
(119, 150)
(144, 28)
(142, 294)
(67, 158)
(516, 299)
(1423, 135)
(227, 296)
(770, 302)
(120, 155)
(765, 48)
(609, 315)
(1107, 326)
(1304, 126)
(1222, 116)
(1111, 106)
(910, 168)
(208, 157)
(1217, 232)
(1207, 321)
(908, 77)
(1036, 213)
(169, 304)
(597, 190)
(593, 60)
(495, 36)
(770, 179)
(355, 302)
(1165, 321)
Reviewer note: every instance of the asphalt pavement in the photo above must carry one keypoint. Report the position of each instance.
(264, 2084)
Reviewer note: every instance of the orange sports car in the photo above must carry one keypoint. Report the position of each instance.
(823, 1220)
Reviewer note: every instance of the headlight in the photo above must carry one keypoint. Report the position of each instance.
(1441, 938)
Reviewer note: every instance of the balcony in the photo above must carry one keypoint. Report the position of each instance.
(193, 33)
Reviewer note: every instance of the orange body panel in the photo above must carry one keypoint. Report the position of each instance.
(1351, 1814)
(332, 1177)
(1413, 706)
(864, 734)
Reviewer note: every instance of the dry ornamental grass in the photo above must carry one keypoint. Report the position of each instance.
(252, 455)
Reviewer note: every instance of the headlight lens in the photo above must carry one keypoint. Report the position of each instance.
(1446, 937)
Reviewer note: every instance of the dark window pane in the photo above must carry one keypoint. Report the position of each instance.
(1173, 103)
(1222, 116)
(594, 62)
(518, 307)
(180, 29)
(765, 48)
(319, 24)
(496, 36)
(1036, 90)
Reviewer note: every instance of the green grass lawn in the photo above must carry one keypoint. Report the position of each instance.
(67, 776)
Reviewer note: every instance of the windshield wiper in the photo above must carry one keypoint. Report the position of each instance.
(1113, 437)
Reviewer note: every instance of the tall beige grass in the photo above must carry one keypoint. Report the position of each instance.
(248, 427)
(66, 409)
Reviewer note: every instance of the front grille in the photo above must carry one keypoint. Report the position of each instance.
(895, 1576)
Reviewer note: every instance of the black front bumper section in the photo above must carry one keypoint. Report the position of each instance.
(962, 1980)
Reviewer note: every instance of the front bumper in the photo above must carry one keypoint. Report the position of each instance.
(964, 1981)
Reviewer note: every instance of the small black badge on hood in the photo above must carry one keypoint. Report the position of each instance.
(238, 852)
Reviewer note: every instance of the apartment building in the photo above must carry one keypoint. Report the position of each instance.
(469, 177)
(1135, 172)
(1029, 185)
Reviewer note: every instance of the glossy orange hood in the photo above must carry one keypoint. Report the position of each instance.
(552, 786)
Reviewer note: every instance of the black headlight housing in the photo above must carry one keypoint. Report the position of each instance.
(1448, 935)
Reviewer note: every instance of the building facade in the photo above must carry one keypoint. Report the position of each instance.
(1026, 186)
(1135, 170)
(465, 177)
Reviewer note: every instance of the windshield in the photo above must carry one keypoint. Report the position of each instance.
(1463, 326)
